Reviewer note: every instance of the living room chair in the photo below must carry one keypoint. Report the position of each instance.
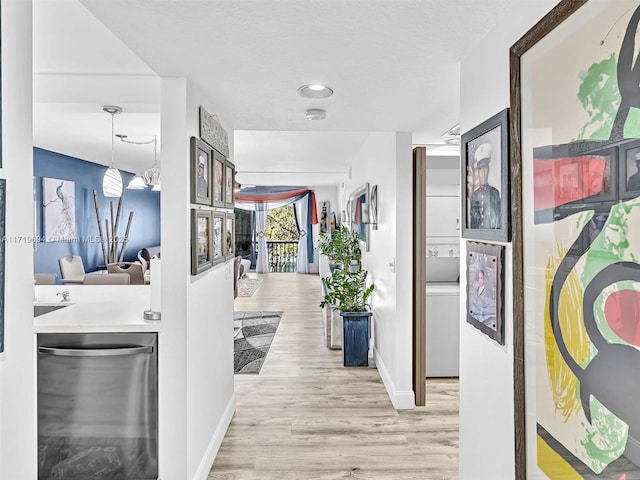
(71, 269)
(134, 270)
(107, 279)
(45, 278)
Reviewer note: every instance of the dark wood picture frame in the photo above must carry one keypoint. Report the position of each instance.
(218, 169)
(563, 10)
(201, 248)
(218, 244)
(229, 235)
(485, 201)
(201, 185)
(229, 184)
(485, 289)
(555, 18)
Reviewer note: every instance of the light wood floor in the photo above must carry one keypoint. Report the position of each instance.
(305, 416)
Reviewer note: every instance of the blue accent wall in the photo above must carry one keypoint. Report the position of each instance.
(145, 226)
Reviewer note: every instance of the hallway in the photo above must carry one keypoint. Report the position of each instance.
(305, 416)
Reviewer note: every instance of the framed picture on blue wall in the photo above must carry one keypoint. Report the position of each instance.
(58, 210)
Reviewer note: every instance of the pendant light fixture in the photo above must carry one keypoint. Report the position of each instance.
(137, 183)
(112, 180)
(152, 175)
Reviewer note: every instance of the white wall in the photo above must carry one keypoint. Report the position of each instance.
(486, 368)
(196, 348)
(443, 176)
(385, 160)
(210, 391)
(17, 365)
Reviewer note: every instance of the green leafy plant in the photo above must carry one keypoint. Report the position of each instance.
(348, 292)
(342, 247)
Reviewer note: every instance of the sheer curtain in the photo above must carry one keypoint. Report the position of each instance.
(262, 264)
(302, 219)
(263, 198)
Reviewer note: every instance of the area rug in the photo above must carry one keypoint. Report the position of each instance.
(253, 334)
(247, 286)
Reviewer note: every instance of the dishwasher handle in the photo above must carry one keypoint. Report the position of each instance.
(96, 352)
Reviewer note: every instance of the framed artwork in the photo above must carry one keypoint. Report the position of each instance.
(213, 133)
(630, 170)
(324, 218)
(485, 289)
(229, 183)
(1, 102)
(219, 167)
(201, 157)
(58, 210)
(373, 209)
(358, 211)
(3, 202)
(576, 247)
(218, 237)
(485, 180)
(229, 235)
(201, 241)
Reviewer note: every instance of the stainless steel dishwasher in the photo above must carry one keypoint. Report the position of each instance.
(98, 406)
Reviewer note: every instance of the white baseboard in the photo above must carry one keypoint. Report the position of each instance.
(216, 440)
(401, 399)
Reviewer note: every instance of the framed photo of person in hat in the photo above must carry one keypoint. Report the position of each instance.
(201, 158)
(485, 180)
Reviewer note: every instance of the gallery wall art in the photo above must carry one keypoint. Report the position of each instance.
(485, 289)
(201, 240)
(576, 243)
(485, 179)
(59, 209)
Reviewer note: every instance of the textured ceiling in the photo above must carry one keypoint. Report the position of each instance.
(394, 65)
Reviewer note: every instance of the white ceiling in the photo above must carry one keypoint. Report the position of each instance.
(394, 66)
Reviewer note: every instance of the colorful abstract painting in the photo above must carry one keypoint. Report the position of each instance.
(59, 211)
(581, 111)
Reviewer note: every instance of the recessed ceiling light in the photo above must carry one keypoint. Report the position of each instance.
(316, 114)
(315, 91)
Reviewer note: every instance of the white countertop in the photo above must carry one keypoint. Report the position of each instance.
(94, 308)
(443, 288)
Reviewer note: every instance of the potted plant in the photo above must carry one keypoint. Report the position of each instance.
(348, 292)
(341, 248)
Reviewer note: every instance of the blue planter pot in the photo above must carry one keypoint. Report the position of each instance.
(355, 338)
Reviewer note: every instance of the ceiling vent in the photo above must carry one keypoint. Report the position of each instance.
(452, 136)
(316, 114)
